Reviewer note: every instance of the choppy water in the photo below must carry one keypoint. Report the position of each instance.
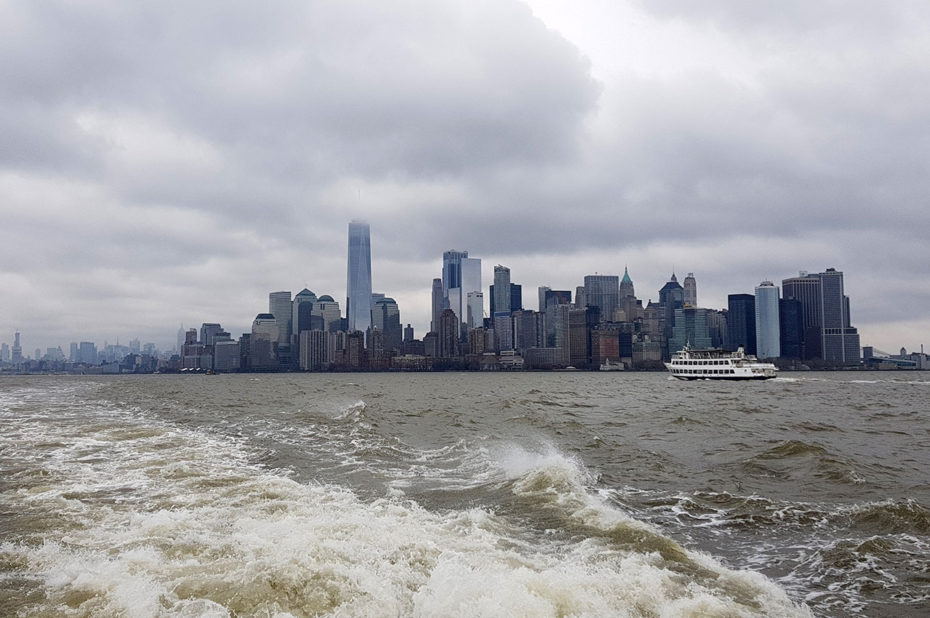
(529, 494)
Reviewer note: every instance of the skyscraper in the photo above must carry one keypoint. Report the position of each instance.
(627, 295)
(603, 292)
(791, 327)
(279, 305)
(325, 315)
(263, 342)
(840, 340)
(690, 289)
(437, 300)
(542, 297)
(386, 317)
(303, 297)
(741, 322)
(358, 280)
(17, 349)
(691, 328)
(768, 331)
(474, 312)
(460, 275)
(501, 290)
(805, 289)
(671, 297)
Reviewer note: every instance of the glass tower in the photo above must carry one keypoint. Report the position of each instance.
(358, 280)
(768, 332)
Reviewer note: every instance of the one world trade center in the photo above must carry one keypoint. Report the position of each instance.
(358, 281)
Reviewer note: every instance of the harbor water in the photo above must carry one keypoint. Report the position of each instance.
(465, 494)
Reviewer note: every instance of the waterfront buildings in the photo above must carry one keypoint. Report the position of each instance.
(827, 334)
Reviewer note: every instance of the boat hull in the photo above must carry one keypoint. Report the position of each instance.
(726, 378)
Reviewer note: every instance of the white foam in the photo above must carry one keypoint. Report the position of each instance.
(179, 522)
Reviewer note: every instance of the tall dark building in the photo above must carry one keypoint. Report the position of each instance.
(741, 322)
(603, 292)
(671, 297)
(554, 298)
(806, 290)
(792, 327)
(516, 299)
(437, 300)
(386, 318)
(839, 339)
(448, 334)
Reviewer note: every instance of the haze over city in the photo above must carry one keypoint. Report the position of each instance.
(164, 164)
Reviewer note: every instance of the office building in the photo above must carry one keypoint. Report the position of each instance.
(279, 305)
(437, 305)
(671, 297)
(741, 322)
(603, 292)
(263, 342)
(448, 334)
(303, 297)
(358, 278)
(827, 330)
(791, 328)
(474, 312)
(541, 291)
(460, 275)
(209, 332)
(690, 290)
(691, 328)
(805, 289)
(627, 296)
(17, 356)
(87, 352)
(768, 330)
(226, 356)
(840, 340)
(325, 315)
(500, 295)
(386, 318)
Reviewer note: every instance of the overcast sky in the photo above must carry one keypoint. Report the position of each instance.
(174, 162)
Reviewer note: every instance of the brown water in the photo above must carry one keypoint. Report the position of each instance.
(537, 494)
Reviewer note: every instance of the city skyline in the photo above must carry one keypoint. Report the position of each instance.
(759, 317)
(734, 142)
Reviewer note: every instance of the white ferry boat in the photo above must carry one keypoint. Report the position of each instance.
(715, 364)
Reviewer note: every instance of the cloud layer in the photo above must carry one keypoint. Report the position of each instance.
(165, 163)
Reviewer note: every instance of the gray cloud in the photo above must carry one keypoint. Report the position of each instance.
(168, 162)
